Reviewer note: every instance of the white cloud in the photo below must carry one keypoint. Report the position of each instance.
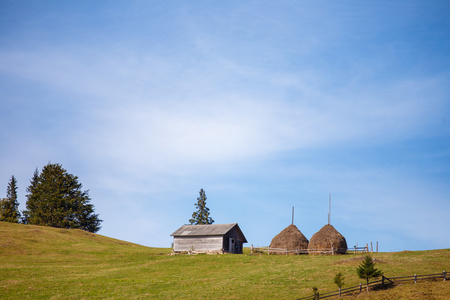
(152, 112)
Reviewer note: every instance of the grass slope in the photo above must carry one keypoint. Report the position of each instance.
(51, 263)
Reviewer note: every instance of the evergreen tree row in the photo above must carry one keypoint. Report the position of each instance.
(54, 198)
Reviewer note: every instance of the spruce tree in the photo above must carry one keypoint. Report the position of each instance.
(31, 196)
(9, 206)
(201, 216)
(367, 270)
(55, 199)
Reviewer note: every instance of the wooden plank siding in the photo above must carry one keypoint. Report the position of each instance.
(198, 243)
(238, 242)
(209, 238)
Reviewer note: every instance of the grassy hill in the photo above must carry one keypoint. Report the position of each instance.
(43, 262)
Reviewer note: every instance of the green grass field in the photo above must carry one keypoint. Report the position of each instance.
(51, 263)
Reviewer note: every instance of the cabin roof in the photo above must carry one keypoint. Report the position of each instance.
(206, 230)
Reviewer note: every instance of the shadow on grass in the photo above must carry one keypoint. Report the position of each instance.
(386, 286)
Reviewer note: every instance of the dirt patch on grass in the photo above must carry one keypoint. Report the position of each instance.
(6, 244)
(358, 260)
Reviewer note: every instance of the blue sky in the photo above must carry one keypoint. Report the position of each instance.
(265, 105)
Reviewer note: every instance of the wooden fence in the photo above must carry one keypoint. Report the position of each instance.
(384, 282)
(328, 251)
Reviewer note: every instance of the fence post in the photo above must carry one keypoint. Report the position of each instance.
(415, 278)
(360, 287)
(445, 275)
(377, 247)
(268, 250)
(371, 247)
(251, 249)
(367, 248)
(332, 250)
(355, 249)
(382, 281)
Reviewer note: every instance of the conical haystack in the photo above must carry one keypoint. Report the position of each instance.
(290, 239)
(326, 239)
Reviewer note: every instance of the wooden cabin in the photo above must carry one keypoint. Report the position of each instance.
(214, 238)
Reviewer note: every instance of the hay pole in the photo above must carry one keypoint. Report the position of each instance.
(329, 209)
(292, 215)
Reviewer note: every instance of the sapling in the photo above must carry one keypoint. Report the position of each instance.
(339, 281)
(316, 292)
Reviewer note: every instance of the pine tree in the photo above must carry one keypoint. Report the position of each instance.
(367, 270)
(9, 207)
(55, 199)
(31, 190)
(201, 216)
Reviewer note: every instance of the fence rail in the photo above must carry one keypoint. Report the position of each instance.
(416, 277)
(331, 251)
(384, 282)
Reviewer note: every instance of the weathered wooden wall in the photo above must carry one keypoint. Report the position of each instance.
(200, 243)
(238, 241)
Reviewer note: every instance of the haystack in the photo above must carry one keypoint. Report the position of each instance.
(290, 239)
(326, 239)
